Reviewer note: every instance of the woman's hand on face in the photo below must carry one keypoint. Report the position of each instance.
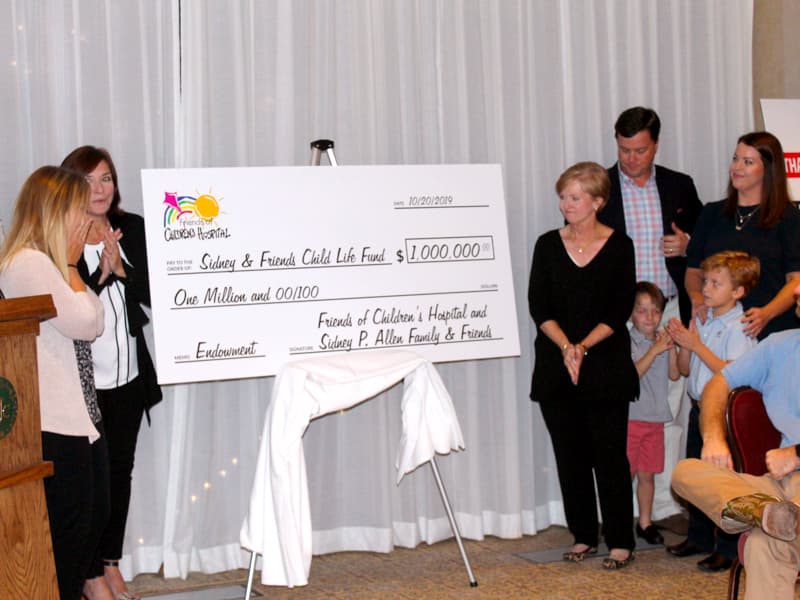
(77, 240)
(755, 319)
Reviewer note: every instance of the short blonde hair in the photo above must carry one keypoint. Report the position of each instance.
(44, 203)
(744, 269)
(592, 177)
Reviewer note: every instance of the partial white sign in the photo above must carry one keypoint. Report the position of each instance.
(253, 267)
(782, 118)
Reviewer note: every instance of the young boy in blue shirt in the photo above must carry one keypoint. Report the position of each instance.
(654, 356)
(705, 348)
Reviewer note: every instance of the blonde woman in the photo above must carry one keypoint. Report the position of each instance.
(581, 294)
(39, 256)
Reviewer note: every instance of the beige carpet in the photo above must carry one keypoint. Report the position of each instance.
(437, 572)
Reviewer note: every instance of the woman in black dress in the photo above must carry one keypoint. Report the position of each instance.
(759, 218)
(581, 295)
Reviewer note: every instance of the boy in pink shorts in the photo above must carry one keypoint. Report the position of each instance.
(656, 360)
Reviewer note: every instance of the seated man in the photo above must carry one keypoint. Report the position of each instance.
(736, 501)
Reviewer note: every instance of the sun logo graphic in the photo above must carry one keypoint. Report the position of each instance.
(204, 206)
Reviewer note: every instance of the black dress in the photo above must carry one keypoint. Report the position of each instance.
(588, 422)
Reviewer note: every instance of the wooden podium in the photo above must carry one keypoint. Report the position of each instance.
(26, 553)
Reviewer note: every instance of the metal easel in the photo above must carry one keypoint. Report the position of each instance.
(320, 146)
(317, 148)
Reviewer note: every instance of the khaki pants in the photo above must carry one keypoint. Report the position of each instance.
(771, 564)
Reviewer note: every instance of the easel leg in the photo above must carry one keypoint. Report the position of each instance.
(453, 525)
(251, 572)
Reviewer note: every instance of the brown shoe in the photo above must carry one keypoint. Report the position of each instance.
(614, 564)
(579, 555)
(775, 517)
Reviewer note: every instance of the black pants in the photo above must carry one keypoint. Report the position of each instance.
(77, 505)
(122, 409)
(703, 533)
(589, 440)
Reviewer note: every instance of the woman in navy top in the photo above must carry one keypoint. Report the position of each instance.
(759, 218)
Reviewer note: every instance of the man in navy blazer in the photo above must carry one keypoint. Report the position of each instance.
(636, 132)
(657, 208)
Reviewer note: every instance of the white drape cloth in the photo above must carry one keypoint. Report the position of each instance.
(278, 524)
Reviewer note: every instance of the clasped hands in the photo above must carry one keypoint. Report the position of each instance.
(573, 359)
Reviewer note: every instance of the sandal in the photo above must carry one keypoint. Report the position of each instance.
(578, 556)
(613, 564)
(127, 594)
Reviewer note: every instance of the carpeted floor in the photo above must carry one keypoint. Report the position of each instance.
(436, 571)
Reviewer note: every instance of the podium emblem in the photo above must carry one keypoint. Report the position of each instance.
(8, 407)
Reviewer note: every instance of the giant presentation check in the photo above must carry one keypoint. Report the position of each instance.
(253, 267)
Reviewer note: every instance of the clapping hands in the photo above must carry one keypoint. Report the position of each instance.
(684, 337)
(663, 341)
(110, 258)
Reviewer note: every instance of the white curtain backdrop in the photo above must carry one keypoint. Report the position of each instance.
(532, 85)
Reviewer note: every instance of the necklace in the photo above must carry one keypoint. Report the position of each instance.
(585, 245)
(742, 220)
